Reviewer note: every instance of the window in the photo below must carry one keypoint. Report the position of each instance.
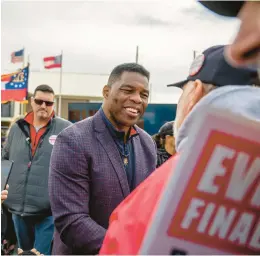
(7, 109)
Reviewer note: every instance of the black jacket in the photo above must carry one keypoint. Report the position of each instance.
(162, 156)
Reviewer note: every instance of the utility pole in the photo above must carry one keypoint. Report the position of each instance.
(194, 54)
(137, 54)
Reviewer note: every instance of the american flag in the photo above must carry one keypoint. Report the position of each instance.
(17, 56)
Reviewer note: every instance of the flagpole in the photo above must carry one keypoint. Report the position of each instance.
(59, 113)
(27, 96)
(21, 104)
(137, 54)
(23, 58)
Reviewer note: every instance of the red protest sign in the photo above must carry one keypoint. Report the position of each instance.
(211, 204)
(220, 206)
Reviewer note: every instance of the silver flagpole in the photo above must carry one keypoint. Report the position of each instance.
(137, 54)
(22, 104)
(59, 113)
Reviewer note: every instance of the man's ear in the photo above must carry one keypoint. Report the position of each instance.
(31, 100)
(106, 91)
(197, 93)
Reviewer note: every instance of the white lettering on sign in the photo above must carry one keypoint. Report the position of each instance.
(242, 177)
(226, 224)
(192, 212)
(255, 241)
(215, 168)
(206, 217)
(241, 231)
(255, 201)
(222, 222)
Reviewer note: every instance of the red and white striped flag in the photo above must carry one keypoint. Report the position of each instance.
(53, 62)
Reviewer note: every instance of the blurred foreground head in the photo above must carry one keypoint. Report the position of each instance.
(245, 50)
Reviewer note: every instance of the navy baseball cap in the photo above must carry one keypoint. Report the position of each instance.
(211, 68)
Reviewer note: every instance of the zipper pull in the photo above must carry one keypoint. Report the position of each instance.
(28, 140)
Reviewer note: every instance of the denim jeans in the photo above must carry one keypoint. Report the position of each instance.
(34, 232)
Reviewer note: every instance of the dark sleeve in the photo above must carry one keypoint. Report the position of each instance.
(69, 195)
(225, 8)
(160, 159)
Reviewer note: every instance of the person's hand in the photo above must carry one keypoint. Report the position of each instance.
(4, 194)
(248, 37)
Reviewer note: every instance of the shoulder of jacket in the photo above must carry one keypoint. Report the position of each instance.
(60, 120)
(79, 127)
(143, 133)
(19, 125)
(84, 123)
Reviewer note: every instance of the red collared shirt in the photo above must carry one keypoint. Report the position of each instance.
(35, 136)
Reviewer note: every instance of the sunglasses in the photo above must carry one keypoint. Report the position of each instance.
(40, 102)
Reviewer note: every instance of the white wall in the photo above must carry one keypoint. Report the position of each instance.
(82, 84)
(74, 84)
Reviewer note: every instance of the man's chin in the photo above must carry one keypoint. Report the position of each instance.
(42, 116)
(126, 123)
(130, 123)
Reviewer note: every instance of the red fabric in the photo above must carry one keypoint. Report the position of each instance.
(35, 136)
(49, 58)
(132, 131)
(129, 221)
(14, 95)
(6, 78)
(57, 65)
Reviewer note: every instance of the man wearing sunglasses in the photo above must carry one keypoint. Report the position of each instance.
(29, 144)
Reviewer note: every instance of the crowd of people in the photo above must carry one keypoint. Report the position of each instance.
(68, 181)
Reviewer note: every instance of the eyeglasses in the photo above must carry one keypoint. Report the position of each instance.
(40, 102)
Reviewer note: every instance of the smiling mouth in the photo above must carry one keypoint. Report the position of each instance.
(132, 111)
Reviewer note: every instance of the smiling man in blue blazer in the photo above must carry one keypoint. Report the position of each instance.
(98, 161)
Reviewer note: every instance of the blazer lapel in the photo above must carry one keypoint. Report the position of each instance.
(141, 173)
(110, 147)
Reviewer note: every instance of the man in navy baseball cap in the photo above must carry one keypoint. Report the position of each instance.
(208, 72)
(211, 68)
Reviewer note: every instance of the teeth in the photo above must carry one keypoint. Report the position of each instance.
(132, 110)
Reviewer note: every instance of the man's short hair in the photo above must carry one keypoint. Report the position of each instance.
(127, 67)
(43, 88)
